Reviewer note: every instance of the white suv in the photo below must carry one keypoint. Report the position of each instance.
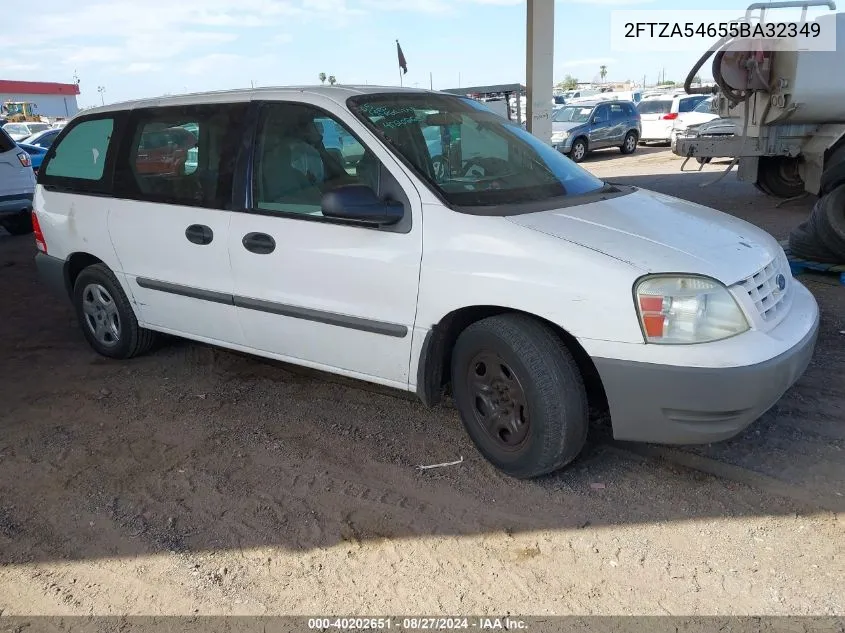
(17, 185)
(510, 275)
(659, 114)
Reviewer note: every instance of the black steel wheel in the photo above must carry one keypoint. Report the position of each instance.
(520, 395)
(779, 176)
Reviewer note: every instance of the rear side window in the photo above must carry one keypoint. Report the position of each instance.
(655, 106)
(181, 155)
(6, 142)
(617, 112)
(82, 153)
(631, 110)
(688, 104)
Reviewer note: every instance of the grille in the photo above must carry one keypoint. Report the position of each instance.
(762, 288)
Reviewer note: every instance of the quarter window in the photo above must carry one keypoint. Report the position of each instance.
(301, 154)
(82, 153)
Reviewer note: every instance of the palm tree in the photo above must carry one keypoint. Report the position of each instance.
(322, 78)
(603, 72)
(332, 80)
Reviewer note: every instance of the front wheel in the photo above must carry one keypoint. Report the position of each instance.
(578, 151)
(520, 395)
(106, 316)
(629, 145)
(18, 224)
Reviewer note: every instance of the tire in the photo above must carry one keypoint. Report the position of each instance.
(629, 145)
(778, 176)
(703, 160)
(829, 219)
(19, 224)
(120, 335)
(804, 243)
(535, 379)
(579, 150)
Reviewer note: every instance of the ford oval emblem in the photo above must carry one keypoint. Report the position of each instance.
(780, 280)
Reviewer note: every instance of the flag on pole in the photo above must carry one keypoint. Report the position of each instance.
(402, 63)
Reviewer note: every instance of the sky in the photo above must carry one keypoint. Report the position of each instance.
(146, 48)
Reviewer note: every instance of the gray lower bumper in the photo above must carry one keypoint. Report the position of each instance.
(51, 273)
(10, 205)
(690, 405)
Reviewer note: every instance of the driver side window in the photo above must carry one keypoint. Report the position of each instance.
(302, 153)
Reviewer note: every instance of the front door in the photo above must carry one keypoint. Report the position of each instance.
(169, 221)
(311, 289)
(600, 127)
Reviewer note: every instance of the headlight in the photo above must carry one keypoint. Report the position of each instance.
(559, 136)
(676, 309)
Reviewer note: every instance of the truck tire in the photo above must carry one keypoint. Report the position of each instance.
(778, 176)
(829, 215)
(804, 242)
(520, 395)
(834, 171)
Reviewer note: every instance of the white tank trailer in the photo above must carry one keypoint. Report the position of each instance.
(787, 107)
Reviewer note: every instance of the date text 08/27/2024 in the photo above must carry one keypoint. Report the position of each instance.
(416, 623)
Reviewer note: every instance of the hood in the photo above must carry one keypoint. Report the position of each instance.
(657, 233)
(566, 126)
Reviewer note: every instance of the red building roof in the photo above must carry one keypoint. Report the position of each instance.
(37, 88)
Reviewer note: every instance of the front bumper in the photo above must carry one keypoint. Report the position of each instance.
(564, 146)
(676, 404)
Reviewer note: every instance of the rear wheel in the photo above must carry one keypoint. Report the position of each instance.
(579, 150)
(779, 176)
(106, 316)
(520, 395)
(629, 145)
(18, 224)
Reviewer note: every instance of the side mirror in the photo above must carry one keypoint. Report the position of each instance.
(359, 203)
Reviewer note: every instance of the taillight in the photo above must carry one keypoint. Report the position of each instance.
(26, 161)
(671, 116)
(40, 242)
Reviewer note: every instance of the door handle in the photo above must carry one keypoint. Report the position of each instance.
(259, 243)
(199, 234)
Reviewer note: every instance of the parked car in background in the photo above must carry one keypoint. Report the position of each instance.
(346, 147)
(659, 113)
(714, 128)
(578, 129)
(20, 131)
(17, 185)
(36, 154)
(43, 139)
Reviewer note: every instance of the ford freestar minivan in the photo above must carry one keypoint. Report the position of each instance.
(528, 287)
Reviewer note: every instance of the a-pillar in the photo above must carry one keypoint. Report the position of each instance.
(539, 67)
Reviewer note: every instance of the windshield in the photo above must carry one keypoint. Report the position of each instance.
(572, 114)
(469, 155)
(37, 127)
(655, 106)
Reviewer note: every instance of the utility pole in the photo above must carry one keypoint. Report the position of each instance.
(431, 81)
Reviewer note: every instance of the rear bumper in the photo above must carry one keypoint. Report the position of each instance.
(671, 404)
(19, 203)
(51, 273)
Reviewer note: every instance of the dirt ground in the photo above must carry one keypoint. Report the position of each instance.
(198, 481)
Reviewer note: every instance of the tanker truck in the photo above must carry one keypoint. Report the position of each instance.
(785, 108)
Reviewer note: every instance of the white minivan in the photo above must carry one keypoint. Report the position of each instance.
(510, 277)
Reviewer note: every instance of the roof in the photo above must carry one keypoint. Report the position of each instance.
(37, 88)
(486, 89)
(336, 93)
